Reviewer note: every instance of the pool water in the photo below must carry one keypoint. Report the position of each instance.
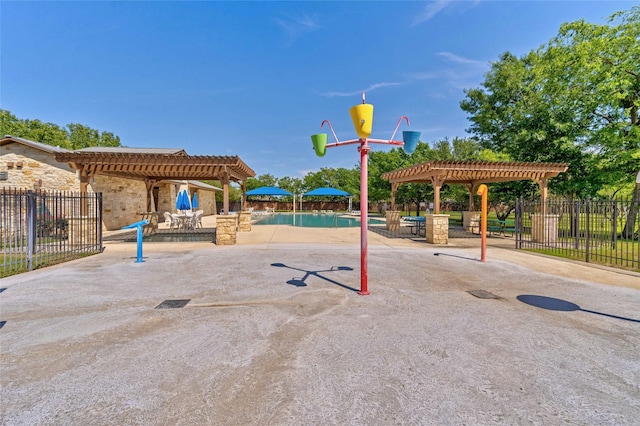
(313, 220)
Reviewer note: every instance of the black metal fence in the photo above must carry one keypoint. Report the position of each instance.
(41, 228)
(597, 231)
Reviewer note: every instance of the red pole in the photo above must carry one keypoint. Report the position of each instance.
(364, 215)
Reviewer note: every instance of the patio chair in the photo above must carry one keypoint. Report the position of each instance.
(170, 221)
(197, 219)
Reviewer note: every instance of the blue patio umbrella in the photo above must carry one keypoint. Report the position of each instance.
(182, 202)
(194, 201)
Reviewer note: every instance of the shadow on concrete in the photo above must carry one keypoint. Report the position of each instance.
(475, 259)
(554, 304)
(300, 282)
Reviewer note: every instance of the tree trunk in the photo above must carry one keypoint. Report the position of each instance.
(629, 226)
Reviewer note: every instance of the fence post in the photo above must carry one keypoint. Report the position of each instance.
(587, 209)
(99, 221)
(575, 223)
(519, 215)
(31, 228)
(614, 224)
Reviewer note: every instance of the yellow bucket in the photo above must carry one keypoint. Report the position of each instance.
(362, 116)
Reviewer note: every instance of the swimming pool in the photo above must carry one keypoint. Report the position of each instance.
(313, 220)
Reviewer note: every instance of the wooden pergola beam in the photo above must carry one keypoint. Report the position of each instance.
(472, 174)
(153, 167)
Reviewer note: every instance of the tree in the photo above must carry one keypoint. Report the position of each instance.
(573, 100)
(601, 83)
(36, 130)
(260, 181)
(74, 136)
(82, 136)
(341, 178)
(293, 185)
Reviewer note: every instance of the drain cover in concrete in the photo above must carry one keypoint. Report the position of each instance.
(172, 304)
(483, 294)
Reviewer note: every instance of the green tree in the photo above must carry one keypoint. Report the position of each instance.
(74, 136)
(341, 178)
(573, 100)
(597, 75)
(293, 185)
(82, 136)
(260, 181)
(35, 130)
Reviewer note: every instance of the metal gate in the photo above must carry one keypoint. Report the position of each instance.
(41, 228)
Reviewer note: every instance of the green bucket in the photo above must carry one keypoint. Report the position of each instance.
(319, 144)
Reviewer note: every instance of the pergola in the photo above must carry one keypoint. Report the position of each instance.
(154, 165)
(471, 174)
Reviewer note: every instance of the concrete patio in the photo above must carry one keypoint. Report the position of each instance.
(274, 333)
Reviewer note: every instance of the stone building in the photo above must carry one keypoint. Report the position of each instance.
(30, 165)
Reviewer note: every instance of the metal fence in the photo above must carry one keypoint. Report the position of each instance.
(41, 228)
(597, 231)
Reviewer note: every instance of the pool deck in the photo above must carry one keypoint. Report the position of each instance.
(274, 333)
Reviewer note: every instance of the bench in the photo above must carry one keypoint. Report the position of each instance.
(501, 227)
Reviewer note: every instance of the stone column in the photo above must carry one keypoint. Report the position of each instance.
(82, 230)
(226, 229)
(393, 220)
(544, 228)
(244, 224)
(437, 228)
(471, 221)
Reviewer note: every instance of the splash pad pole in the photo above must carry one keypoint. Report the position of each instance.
(362, 117)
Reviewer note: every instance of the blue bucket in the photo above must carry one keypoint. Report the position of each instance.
(410, 140)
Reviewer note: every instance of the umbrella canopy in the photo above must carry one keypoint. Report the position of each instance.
(194, 201)
(268, 190)
(182, 202)
(333, 192)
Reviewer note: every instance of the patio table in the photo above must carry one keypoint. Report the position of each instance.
(184, 220)
(417, 223)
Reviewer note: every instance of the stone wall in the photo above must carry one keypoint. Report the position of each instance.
(35, 169)
(123, 200)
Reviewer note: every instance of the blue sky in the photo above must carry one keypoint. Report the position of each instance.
(256, 79)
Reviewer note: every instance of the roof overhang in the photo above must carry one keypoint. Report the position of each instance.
(475, 172)
(150, 166)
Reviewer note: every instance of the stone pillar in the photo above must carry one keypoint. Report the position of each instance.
(544, 228)
(82, 230)
(437, 228)
(244, 223)
(226, 229)
(471, 221)
(152, 227)
(393, 220)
